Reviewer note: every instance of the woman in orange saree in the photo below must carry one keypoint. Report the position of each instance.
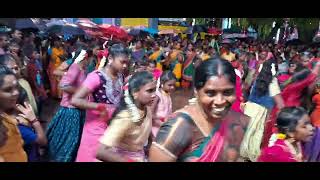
(57, 58)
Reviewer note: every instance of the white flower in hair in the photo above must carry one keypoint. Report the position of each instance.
(273, 69)
(81, 56)
(102, 62)
(132, 108)
(260, 67)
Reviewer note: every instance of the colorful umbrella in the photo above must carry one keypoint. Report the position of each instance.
(214, 31)
(56, 22)
(199, 28)
(151, 30)
(114, 32)
(68, 29)
(137, 32)
(30, 23)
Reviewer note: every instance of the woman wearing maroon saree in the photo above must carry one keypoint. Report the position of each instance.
(207, 130)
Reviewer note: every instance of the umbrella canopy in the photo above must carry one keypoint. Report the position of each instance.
(232, 31)
(199, 28)
(137, 32)
(142, 31)
(93, 33)
(214, 31)
(87, 24)
(68, 29)
(234, 35)
(56, 22)
(30, 23)
(151, 30)
(114, 32)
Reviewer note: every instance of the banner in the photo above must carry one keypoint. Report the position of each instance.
(131, 22)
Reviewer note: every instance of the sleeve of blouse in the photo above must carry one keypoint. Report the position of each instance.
(274, 88)
(71, 76)
(299, 86)
(174, 135)
(117, 130)
(92, 81)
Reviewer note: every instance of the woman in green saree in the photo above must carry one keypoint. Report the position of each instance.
(188, 67)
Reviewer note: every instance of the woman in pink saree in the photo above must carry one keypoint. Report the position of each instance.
(207, 130)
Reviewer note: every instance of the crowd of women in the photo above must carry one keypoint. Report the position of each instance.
(252, 101)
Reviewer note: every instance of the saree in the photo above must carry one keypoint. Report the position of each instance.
(53, 65)
(12, 150)
(279, 152)
(220, 144)
(188, 68)
(176, 59)
(253, 137)
(212, 146)
(138, 56)
(129, 138)
(156, 56)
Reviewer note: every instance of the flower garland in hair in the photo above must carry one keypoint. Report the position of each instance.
(281, 136)
(132, 108)
(80, 57)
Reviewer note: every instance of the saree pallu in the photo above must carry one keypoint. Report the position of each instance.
(269, 127)
(177, 71)
(215, 145)
(251, 144)
(175, 66)
(188, 68)
(211, 147)
(156, 56)
(54, 63)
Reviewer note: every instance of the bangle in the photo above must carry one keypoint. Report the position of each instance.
(34, 121)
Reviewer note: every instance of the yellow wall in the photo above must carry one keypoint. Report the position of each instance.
(179, 28)
(131, 22)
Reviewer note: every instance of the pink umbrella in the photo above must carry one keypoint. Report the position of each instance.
(114, 32)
